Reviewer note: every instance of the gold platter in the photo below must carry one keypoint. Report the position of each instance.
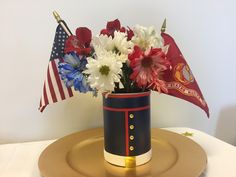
(81, 155)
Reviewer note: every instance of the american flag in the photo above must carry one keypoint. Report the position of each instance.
(54, 90)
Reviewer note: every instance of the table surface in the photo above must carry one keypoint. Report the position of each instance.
(21, 159)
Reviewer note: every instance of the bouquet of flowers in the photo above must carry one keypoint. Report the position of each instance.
(119, 60)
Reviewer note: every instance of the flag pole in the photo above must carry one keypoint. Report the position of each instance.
(60, 22)
(163, 27)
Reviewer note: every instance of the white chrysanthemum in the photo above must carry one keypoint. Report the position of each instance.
(118, 45)
(104, 71)
(147, 37)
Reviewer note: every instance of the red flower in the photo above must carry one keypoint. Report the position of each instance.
(79, 43)
(148, 67)
(130, 34)
(112, 26)
(115, 25)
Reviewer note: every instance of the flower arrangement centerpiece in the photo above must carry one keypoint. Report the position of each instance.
(118, 60)
(124, 64)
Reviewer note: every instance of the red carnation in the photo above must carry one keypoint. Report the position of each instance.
(79, 43)
(148, 67)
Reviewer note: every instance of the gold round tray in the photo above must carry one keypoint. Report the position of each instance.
(81, 155)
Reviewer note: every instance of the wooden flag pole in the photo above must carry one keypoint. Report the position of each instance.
(60, 22)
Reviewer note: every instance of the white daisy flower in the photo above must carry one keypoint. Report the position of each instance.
(117, 45)
(147, 37)
(104, 71)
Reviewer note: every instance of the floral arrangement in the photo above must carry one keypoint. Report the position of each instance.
(118, 60)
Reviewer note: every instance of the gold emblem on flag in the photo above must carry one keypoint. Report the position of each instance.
(183, 74)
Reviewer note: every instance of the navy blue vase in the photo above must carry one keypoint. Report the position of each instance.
(127, 135)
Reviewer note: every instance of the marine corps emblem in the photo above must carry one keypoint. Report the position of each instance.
(183, 74)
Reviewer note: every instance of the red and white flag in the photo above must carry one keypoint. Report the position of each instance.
(54, 89)
(180, 81)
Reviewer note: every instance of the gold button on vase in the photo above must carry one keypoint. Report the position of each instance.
(131, 137)
(131, 116)
(131, 127)
(131, 148)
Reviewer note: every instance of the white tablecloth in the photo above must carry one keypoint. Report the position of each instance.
(21, 159)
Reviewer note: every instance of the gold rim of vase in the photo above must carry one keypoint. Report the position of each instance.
(128, 161)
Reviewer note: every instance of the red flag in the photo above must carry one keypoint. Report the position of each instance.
(180, 80)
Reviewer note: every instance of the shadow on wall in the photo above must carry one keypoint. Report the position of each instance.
(225, 129)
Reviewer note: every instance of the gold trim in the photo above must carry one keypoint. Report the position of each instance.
(122, 160)
(130, 162)
(56, 16)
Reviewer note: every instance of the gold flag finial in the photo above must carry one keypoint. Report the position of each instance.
(62, 23)
(57, 16)
(163, 27)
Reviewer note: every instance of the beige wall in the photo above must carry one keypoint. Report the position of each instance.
(204, 31)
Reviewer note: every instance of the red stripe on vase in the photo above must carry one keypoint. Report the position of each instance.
(127, 95)
(126, 109)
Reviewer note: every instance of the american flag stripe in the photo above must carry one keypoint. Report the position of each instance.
(41, 108)
(57, 79)
(43, 100)
(70, 92)
(40, 104)
(54, 88)
(45, 97)
(50, 85)
(49, 96)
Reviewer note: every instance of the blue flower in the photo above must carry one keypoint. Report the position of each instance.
(71, 70)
